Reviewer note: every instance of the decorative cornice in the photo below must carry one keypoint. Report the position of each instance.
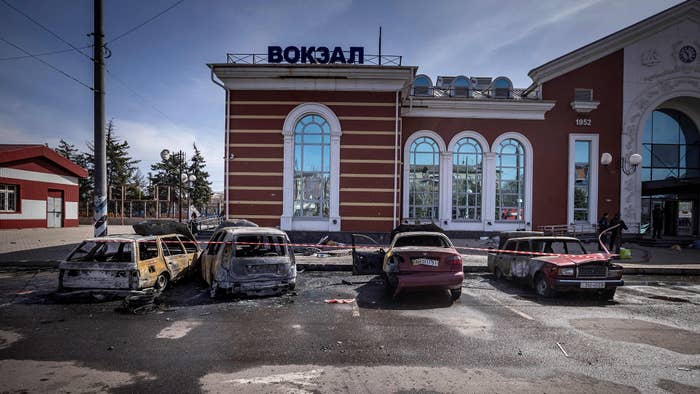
(690, 10)
(478, 108)
(313, 77)
(584, 107)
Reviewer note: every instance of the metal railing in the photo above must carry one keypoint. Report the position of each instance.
(261, 58)
(471, 93)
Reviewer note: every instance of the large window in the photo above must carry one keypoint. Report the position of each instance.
(424, 179)
(510, 181)
(582, 180)
(467, 176)
(671, 146)
(8, 198)
(422, 86)
(311, 167)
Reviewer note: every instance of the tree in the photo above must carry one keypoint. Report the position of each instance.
(201, 188)
(85, 160)
(120, 166)
(67, 150)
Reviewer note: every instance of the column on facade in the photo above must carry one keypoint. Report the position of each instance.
(488, 193)
(445, 213)
(334, 198)
(288, 184)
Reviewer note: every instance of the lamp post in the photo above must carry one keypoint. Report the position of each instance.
(181, 161)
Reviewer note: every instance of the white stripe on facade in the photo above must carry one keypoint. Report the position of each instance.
(71, 210)
(31, 210)
(37, 176)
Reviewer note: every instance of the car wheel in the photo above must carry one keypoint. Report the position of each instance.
(388, 286)
(498, 273)
(455, 294)
(292, 286)
(542, 286)
(608, 294)
(161, 282)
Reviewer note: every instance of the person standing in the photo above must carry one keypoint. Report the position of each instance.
(602, 226)
(657, 221)
(616, 234)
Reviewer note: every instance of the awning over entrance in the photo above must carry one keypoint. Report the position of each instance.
(671, 186)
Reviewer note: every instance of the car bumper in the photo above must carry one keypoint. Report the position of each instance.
(579, 284)
(444, 280)
(263, 287)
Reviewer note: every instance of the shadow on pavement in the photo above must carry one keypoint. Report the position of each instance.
(522, 291)
(374, 295)
(48, 254)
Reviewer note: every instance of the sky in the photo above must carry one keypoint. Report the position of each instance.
(158, 88)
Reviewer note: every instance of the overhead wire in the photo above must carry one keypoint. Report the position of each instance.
(48, 30)
(144, 22)
(43, 54)
(47, 63)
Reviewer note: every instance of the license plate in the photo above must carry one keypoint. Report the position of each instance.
(430, 262)
(593, 285)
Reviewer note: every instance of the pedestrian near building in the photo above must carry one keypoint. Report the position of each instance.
(616, 234)
(657, 221)
(602, 226)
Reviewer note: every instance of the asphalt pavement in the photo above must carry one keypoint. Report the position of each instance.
(499, 337)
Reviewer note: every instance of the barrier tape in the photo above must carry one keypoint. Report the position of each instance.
(325, 248)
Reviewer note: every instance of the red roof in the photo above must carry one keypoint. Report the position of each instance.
(16, 152)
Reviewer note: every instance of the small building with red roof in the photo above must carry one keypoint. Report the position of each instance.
(38, 188)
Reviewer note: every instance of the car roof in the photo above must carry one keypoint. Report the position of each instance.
(409, 233)
(127, 237)
(253, 230)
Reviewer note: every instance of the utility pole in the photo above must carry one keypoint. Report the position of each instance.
(100, 201)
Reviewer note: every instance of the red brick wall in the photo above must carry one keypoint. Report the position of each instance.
(33, 190)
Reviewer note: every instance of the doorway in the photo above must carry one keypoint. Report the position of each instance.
(54, 209)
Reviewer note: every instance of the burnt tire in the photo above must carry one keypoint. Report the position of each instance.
(542, 287)
(162, 282)
(455, 294)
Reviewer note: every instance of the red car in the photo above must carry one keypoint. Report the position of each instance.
(555, 264)
(415, 260)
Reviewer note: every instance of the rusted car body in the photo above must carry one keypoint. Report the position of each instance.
(249, 260)
(555, 264)
(125, 263)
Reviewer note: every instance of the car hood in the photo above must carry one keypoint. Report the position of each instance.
(570, 259)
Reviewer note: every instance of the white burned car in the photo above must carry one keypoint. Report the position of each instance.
(249, 260)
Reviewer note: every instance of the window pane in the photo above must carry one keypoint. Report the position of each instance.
(312, 166)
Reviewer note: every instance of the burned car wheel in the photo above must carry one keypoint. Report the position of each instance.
(161, 282)
(608, 294)
(542, 286)
(455, 294)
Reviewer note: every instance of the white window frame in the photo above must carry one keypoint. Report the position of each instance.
(593, 175)
(448, 222)
(5, 195)
(489, 214)
(288, 221)
(406, 175)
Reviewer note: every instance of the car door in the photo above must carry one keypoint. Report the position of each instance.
(209, 255)
(175, 256)
(191, 250)
(520, 261)
(149, 259)
(505, 258)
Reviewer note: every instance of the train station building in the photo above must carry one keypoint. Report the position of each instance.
(321, 139)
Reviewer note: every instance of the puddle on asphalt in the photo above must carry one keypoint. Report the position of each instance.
(639, 331)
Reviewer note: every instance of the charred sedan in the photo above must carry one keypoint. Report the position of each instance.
(555, 264)
(125, 263)
(248, 260)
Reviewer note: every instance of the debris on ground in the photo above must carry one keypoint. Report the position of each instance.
(562, 350)
(143, 302)
(340, 301)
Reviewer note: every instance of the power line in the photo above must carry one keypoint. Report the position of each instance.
(137, 94)
(47, 63)
(145, 22)
(42, 54)
(48, 30)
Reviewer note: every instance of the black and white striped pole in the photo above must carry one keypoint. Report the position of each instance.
(100, 200)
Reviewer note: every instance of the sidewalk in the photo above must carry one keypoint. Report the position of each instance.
(43, 248)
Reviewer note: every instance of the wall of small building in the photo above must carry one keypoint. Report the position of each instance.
(36, 179)
(366, 155)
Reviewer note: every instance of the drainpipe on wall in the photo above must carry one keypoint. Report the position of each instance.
(226, 148)
(396, 152)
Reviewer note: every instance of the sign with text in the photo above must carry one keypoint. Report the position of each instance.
(314, 55)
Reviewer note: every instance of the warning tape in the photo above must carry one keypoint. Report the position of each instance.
(324, 247)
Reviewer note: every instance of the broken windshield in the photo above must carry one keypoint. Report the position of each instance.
(422, 240)
(102, 251)
(260, 246)
(558, 246)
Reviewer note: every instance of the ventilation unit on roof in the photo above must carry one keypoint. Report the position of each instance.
(444, 82)
(482, 83)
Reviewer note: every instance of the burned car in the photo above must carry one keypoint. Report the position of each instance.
(554, 264)
(125, 263)
(414, 260)
(249, 260)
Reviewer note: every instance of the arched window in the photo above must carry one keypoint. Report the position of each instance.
(510, 181)
(424, 179)
(422, 86)
(502, 88)
(312, 146)
(671, 146)
(467, 176)
(460, 87)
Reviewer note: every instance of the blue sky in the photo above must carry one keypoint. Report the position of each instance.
(158, 89)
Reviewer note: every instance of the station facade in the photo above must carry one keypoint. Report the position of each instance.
(342, 141)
